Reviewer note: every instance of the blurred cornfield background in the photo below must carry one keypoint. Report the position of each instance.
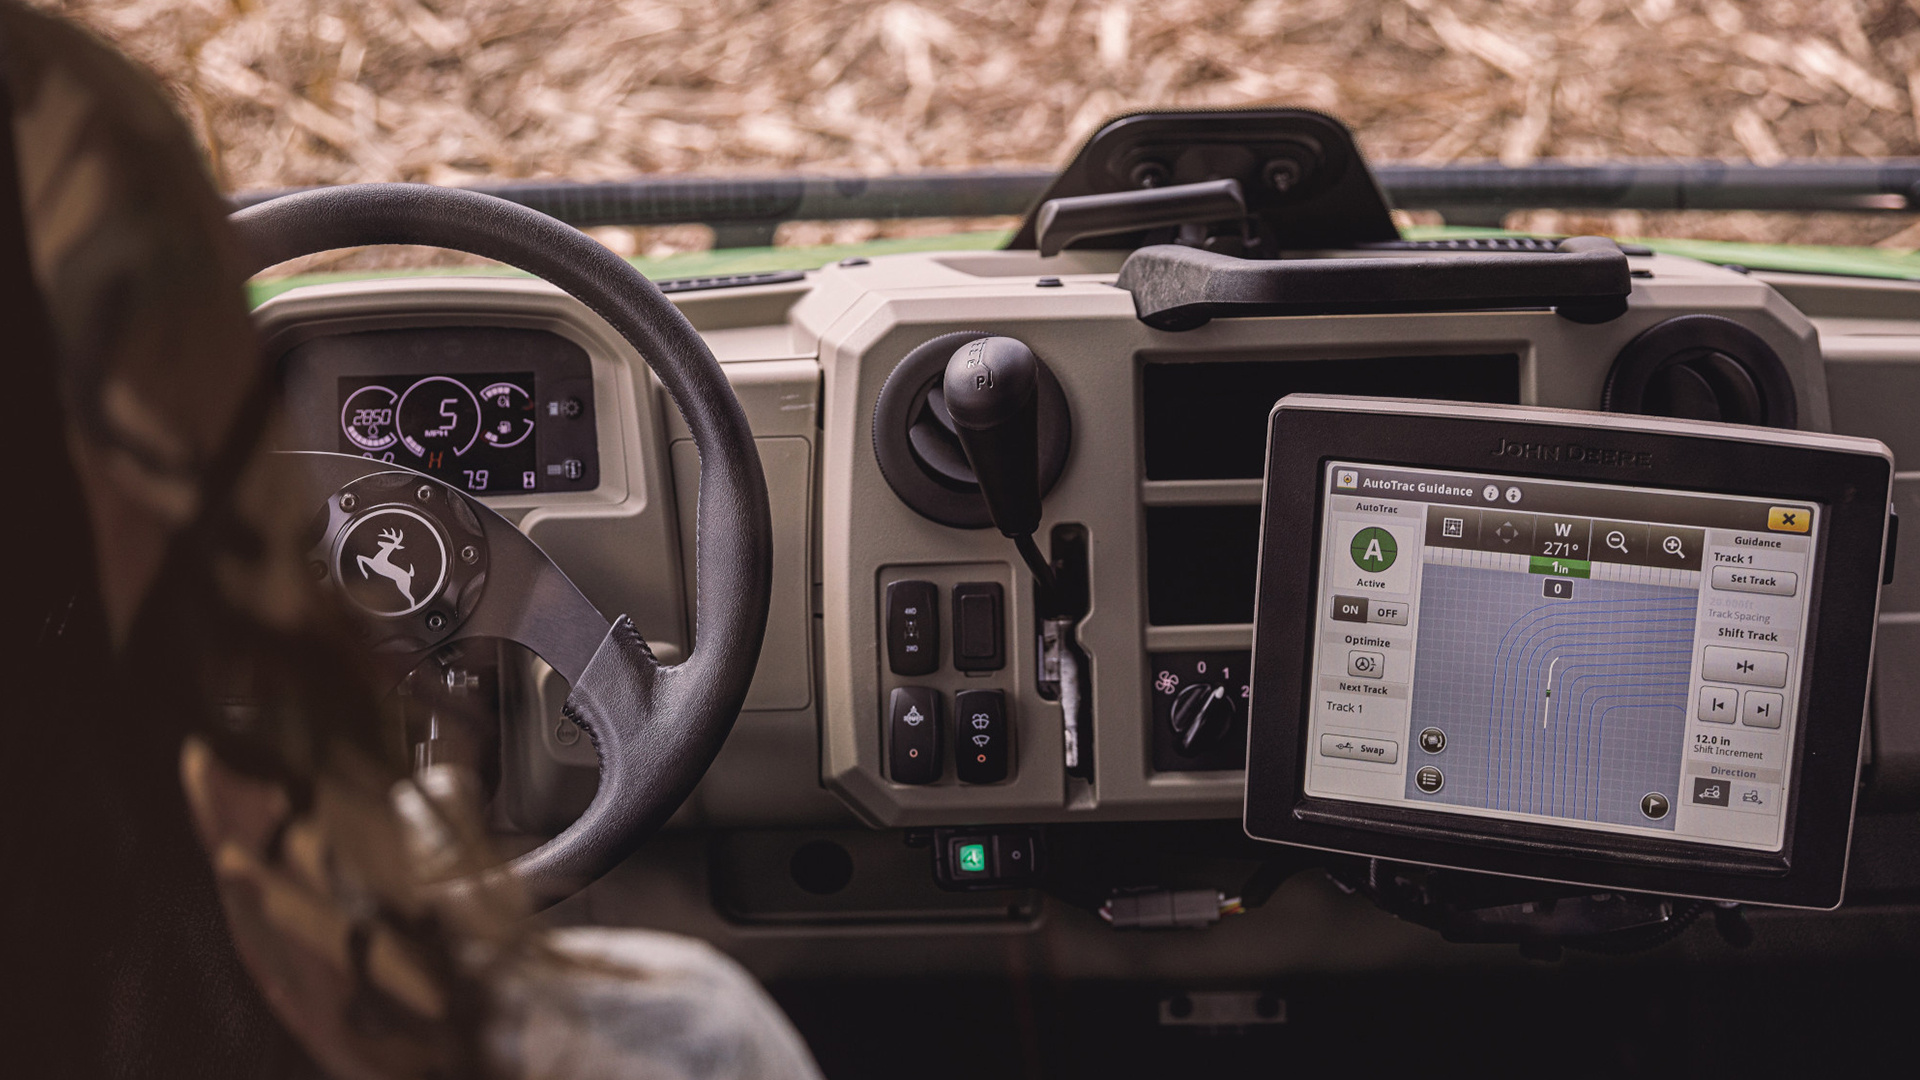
(293, 92)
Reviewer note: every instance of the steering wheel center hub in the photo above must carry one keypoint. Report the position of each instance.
(390, 561)
(405, 551)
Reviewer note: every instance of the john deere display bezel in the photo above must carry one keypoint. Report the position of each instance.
(1849, 477)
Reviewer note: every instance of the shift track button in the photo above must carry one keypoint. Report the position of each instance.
(1748, 667)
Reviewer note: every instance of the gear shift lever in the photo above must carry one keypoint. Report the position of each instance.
(992, 390)
(992, 385)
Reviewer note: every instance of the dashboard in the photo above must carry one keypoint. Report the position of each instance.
(1156, 500)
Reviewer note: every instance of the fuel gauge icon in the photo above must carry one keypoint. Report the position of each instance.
(506, 415)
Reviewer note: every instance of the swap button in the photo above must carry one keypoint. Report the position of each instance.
(1352, 748)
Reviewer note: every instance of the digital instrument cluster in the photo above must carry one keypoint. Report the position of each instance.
(473, 431)
(489, 410)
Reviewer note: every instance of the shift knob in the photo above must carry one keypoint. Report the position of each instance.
(992, 388)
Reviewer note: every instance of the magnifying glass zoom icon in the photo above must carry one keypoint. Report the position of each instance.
(1617, 540)
(1672, 547)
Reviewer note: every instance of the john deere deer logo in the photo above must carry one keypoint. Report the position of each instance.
(383, 564)
(391, 561)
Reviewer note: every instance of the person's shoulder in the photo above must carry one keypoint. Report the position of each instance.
(611, 1002)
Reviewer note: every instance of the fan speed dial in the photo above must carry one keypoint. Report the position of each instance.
(1199, 703)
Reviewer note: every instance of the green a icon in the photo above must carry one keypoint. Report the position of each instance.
(1374, 550)
(973, 858)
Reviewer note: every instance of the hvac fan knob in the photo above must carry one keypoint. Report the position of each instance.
(1202, 715)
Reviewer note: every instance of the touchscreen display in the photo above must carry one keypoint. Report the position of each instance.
(1611, 658)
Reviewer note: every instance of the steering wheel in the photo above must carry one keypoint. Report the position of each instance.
(469, 573)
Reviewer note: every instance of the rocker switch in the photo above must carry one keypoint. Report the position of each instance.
(913, 735)
(979, 641)
(913, 627)
(980, 736)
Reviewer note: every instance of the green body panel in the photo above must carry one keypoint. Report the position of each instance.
(685, 265)
(1806, 259)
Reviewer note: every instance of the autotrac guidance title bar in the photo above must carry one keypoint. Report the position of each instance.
(1572, 498)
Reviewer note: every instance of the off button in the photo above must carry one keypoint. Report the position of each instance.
(1389, 612)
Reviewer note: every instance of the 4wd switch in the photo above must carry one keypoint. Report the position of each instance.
(980, 736)
(913, 627)
(913, 735)
(979, 643)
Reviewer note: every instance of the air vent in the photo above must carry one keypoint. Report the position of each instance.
(918, 452)
(1538, 244)
(1702, 367)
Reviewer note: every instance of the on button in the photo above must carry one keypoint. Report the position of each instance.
(1350, 608)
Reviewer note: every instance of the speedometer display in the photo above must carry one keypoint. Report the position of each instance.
(438, 418)
(475, 431)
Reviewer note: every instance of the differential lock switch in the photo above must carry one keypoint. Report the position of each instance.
(913, 735)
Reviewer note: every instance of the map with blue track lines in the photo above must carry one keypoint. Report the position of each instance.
(1572, 708)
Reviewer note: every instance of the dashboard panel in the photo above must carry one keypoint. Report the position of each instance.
(1168, 510)
(1166, 554)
